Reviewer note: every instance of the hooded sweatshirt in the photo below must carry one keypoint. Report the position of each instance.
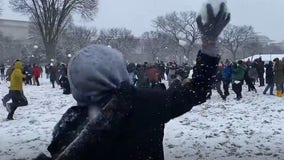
(17, 77)
(94, 73)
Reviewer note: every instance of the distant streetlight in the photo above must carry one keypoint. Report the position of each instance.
(68, 57)
(185, 58)
(157, 59)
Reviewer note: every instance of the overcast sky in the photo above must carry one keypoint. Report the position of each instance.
(266, 16)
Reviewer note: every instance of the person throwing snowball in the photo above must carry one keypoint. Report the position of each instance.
(115, 120)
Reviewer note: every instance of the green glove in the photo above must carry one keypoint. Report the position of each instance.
(212, 28)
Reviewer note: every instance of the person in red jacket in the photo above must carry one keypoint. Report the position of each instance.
(36, 73)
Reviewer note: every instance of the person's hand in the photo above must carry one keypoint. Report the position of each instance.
(211, 29)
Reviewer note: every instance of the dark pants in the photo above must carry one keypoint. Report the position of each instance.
(237, 88)
(29, 80)
(18, 99)
(53, 82)
(250, 84)
(261, 79)
(217, 86)
(269, 86)
(36, 81)
(226, 85)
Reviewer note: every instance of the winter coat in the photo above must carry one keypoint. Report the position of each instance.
(36, 71)
(238, 73)
(260, 67)
(131, 67)
(53, 73)
(47, 69)
(131, 125)
(160, 86)
(279, 75)
(142, 79)
(227, 73)
(17, 77)
(64, 82)
(252, 73)
(269, 76)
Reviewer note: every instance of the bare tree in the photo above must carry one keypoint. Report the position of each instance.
(182, 28)
(253, 46)
(119, 38)
(154, 43)
(10, 49)
(1, 9)
(52, 16)
(73, 39)
(273, 48)
(235, 37)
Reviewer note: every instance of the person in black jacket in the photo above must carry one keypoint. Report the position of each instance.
(269, 77)
(113, 119)
(217, 84)
(260, 71)
(53, 74)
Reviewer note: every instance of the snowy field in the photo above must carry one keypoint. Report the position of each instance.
(250, 129)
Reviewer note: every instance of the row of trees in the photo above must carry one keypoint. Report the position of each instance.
(175, 33)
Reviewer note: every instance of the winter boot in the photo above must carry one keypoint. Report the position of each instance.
(279, 93)
(10, 117)
(223, 97)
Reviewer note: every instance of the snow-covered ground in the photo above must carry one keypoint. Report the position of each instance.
(249, 129)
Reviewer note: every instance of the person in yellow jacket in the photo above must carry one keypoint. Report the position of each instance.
(16, 91)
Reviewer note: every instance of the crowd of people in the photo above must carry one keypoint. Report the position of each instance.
(122, 109)
(164, 76)
(18, 74)
(234, 74)
(114, 119)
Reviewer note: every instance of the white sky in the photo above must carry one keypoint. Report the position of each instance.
(266, 16)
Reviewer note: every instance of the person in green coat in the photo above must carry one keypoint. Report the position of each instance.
(237, 78)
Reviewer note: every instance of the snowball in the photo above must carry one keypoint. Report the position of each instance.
(216, 7)
(182, 42)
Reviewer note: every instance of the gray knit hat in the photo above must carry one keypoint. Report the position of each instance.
(94, 72)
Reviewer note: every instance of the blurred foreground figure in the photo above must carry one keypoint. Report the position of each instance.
(113, 119)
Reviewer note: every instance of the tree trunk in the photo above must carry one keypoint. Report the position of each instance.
(234, 56)
(50, 51)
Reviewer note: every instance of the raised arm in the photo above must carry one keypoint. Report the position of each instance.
(195, 92)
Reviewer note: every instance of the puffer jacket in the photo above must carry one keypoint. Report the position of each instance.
(17, 77)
